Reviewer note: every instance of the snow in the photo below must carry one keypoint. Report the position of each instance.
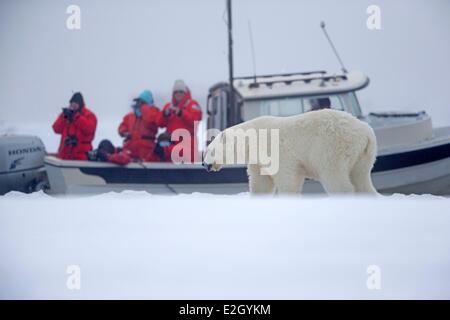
(137, 245)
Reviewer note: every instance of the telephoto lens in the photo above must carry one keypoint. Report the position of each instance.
(68, 113)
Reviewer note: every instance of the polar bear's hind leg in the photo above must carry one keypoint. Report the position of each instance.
(360, 176)
(336, 182)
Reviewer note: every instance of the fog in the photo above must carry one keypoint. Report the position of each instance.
(126, 46)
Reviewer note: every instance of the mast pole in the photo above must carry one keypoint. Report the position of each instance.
(233, 113)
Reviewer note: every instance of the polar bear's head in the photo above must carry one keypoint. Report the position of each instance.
(230, 147)
(240, 145)
(213, 158)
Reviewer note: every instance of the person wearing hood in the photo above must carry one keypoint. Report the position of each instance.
(76, 124)
(106, 152)
(139, 128)
(181, 113)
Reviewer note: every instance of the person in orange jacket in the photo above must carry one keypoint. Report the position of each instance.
(181, 113)
(76, 125)
(139, 128)
(119, 156)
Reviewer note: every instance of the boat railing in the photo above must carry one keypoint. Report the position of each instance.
(322, 78)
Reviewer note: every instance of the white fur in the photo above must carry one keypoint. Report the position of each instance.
(330, 146)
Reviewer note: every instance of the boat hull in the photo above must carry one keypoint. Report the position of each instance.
(421, 171)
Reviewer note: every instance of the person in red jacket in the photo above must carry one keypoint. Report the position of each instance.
(119, 156)
(106, 152)
(181, 113)
(76, 125)
(139, 128)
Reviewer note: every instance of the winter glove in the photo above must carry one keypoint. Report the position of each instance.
(126, 135)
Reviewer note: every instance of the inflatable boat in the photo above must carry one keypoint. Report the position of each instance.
(413, 157)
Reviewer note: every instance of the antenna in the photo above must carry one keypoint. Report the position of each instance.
(322, 25)
(253, 49)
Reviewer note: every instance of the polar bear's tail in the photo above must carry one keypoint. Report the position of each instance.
(360, 173)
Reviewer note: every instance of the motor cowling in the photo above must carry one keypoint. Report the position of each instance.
(21, 163)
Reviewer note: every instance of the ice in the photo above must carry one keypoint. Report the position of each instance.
(138, 245)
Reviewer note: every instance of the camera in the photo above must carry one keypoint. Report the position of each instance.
(92, 155)
(68, 113)
(98, 155)
(70, 141)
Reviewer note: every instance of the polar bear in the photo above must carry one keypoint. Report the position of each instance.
(329, 146)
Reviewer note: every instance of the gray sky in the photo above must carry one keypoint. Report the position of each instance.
(126, 46)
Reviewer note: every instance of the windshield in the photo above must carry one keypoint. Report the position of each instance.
(284, 107)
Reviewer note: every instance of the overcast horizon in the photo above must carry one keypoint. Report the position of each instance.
(124, 47)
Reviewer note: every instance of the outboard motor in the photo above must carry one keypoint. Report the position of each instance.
(22, 164)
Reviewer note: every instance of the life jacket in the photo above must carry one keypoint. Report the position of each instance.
(190, 113)
(80, 131)
(140, 132)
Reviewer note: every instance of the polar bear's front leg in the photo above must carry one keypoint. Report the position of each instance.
(259, 184)
(337, 182)
(289, 181)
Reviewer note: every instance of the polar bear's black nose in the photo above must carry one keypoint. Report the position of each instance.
(207, 166)
(204, 164)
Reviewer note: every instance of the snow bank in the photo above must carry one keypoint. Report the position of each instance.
(136, 245)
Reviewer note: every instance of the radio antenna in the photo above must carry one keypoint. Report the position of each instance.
(253, 49)
(322, 25)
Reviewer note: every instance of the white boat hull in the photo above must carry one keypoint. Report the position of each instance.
(418, 168)
(66, 178)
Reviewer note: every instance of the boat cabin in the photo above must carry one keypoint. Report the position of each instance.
(295, 93)
(283, 95)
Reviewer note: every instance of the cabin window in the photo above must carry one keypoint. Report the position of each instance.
(352, 101)
(274, 107)
(283, 107)
(214, 104)
(336, 102)
(217, 110)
